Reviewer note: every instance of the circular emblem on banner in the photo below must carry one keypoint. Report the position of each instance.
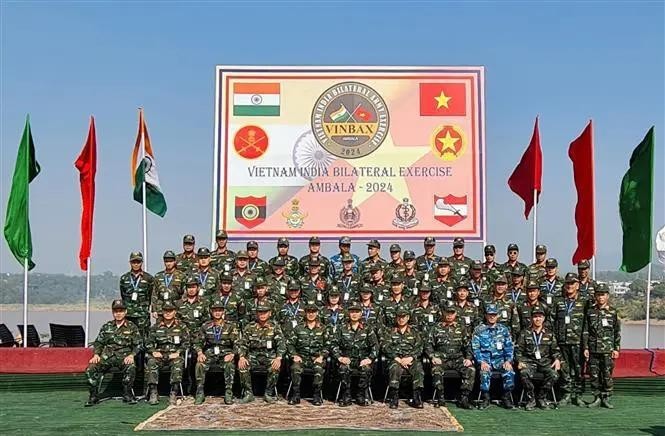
(448, 142)
(250, 142)
(250, 212)
(350, 120)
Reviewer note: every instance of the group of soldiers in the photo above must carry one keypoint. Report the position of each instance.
(359, 318)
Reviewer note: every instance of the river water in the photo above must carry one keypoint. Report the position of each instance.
(632, 335)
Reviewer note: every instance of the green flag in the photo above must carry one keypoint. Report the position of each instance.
(636, 206)
(17, 222)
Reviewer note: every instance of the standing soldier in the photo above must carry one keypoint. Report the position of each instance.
(373, 257)
(530, 304)
(479, 286)
(468, 314)
(315, 253)
(208, 277)
(308, 348)
(537, 269)
(396, 261)
(332, 313)
(261, 298)
(313, 284)
(290, 262)
(517, 285)
(602, 341)
(243, 279)
(277, 281)
(192, 309)
(262, 344)
(507, 313)
(336, 260)
(348, 282)
(370, 315)
(403, 347)
(460, 264)
(355, 347)
(587, 286)
(396, 301)
(216, 344)
(513, 258)
(292, 311)
(568, 317)
(490, 264)
(166, 346)
(449, 348)
(443, 285)
(376, 278)
(428, 260)
(425, 313)
(551, 287)
(256, 265)
(169, 284)
(186, 261)
(234, 304)
(115, 347)
(537, 352)
(222, 259)
(412, 277)
(136, 287)
(493, 350)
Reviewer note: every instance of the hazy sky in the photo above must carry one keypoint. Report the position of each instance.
(565, 61)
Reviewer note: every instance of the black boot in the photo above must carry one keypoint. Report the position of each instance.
(417, 399)
(484, 401)
(153, 398)
(394, 398)
(464, 400)
(317, 400)
(346, 395)
(508, 401)
(92, 399)
(295, 396)
(530, 401)
(439, 400)
(128, 395)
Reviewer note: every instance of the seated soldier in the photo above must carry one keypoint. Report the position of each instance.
(166, 345)
(262, 344)
(115, 347)
(449, 348)
(537, 352)
(355, 347)
(403, 346)
(216, 344)
(308, 348)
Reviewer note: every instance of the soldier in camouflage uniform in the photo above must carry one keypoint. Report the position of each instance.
(186, 261)
(278, 281)
(516, 293)
(459, 263)
(115, 347)
(234, 304)
(261, 298)
(256, 265)
(136, 288)
(348, 282)
(291, 265)
(262, 345)
(336, 260)
(513, 252)
(479, 286)
(243, 278)
(403, 346)
(551, 287)
(222, 259)
(378, 284)
(449, 348)
(332, 314)
(216, 344)
(427, 261)
(443, 285)
(192, 309)
(507, 312)
(396, 261)
(313, 285)
(537, 269)
(568, 321)
(601, 343)
(373, 257)
(308, 347)
(490, 264)
(371, 311)
(165, 348)
(169, 284)
(531, 303)
(292, 311)
(537, 351)
(425, 313)
(355, 347)
(412, 277)
(396, 301)
(587, 286)
(315, 253)
(493, 350)
(208, 277)
(468, 313)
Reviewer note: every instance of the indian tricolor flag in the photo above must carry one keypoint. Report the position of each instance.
(144, 170)
(256, 99)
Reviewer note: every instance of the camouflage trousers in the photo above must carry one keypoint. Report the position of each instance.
(364, 373)
(395, 372)
(307, 362)
(259, 361)
(154, 365)
(507, 377)
(143, 323)
(216, 359)
(95, 371)
(571, 369)
(601, 367)
(468, 374)
(534, 367)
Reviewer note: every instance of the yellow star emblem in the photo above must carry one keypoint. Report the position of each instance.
(448, 142)
(442, 100)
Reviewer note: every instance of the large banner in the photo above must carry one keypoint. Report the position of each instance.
(370, 152)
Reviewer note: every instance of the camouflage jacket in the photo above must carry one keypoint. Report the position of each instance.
(361, 343)
(568, 320)
(427, 264)
(479, 290)
(192, 314)
(234, 306)
(222, 262)
(380, 292)
(168, 339)
(367, 262)
(220, 339)
(326, 269)
(532, 347)
(602, 330)
(136, 292)
(266, 340)
(258, 267)
(460, 267)
(292, 267)
(588, 289)
(167, 287)
(535, 271)
(308, 343)
(449, 342)
(490, 344)
(508, 315)
(425, 317)
(277, 287)
(336, 266)
(371, 316)
(469, 315)
(290, 315)
(443, 290)
(398, 344)
(314, 289)
(243, 285)
(389, 310)
(250, 309)
(114, 341)
(524, 311)
(551, 291)
(349, 285)
(185, 263)
(516, 295)
(209, 281)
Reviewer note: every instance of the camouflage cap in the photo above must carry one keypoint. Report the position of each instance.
(477, 265)
(217, 303)
(279, 262)
(462, 284)
(118, 304)
(374, 243)
(203, 252)
(602, 288)
(394, 248)
(424, 287)
(242, 254)
(260, 282)
(221, 234)
(450, 308)
(334, 291)
(282, 242)
(314, 240)
(501, 278)
(192, 280)
(367, 288)
(551, 263)
(458, 242)
(252, 245)
(409, 255)
(397, 278)
(403, 311)
(168, 305)
(491, 309)
(293, 285)
(226, 277)
(168, 254)
(443, 261)
(584, 264)
(541, 249)
(188, 239)
(571, 278)
(429, 241)
(135, 255)
(344, 240)
(513, 247)
(311, 307)
(374, 267)
(355, 306)
(314, 262)
(518, 270)
(532, 284)
(346, 257)
(537, 310)
(263, 307)
(490, 249)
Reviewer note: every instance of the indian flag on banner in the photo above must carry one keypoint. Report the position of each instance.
(145, 170)
(256, 99)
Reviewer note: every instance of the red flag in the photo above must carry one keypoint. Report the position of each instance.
(440, 99)
(528, 175)
(87, 166)
(581, 153)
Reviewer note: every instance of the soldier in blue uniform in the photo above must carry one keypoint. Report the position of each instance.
(336, 260)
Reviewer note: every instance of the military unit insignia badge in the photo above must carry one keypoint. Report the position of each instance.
(250, 211)
(295, 217)
(405, 215)
(250, 142)
(448, 142)
(349, 216)
(450, 209)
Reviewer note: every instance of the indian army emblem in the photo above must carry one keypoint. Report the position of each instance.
(295, 217)
(349, 216)
(405, 215)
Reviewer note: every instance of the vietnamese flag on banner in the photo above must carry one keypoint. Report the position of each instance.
(87, 166)
(441, 99)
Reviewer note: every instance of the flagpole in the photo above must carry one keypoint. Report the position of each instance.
(145, 215)
(535, 223)
(25, 303)
(647, 328)
(593, 266)
(87, 303)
